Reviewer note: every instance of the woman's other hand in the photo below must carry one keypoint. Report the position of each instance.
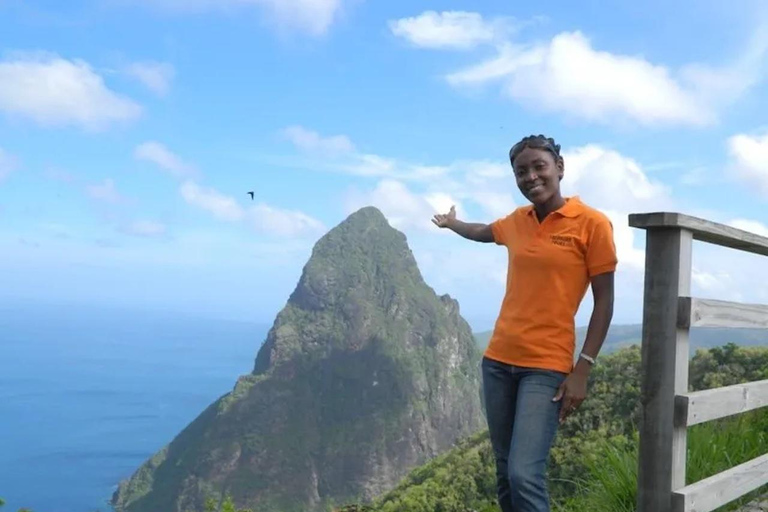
(572, 392)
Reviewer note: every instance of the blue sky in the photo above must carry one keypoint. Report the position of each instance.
(131, 130)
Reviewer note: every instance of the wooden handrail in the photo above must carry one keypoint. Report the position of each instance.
(703, 230)
(711, 404)
(713, 492)
(693, 312)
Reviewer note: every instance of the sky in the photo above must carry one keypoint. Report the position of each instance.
(132, 130)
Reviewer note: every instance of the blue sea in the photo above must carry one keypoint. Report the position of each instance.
(87, 394)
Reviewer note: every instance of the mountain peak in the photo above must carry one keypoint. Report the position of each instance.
(358, 269)
(365, 373)
(369, 214)
(366, 226)
(362, 252)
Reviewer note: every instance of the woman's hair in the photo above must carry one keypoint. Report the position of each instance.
(535, 142)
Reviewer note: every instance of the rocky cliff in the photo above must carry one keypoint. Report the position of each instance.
(365, 374)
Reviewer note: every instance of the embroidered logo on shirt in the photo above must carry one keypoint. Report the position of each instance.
(562, 240)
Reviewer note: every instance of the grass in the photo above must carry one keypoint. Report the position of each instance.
(610, 485)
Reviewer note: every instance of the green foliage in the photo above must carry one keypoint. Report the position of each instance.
(594, 460)
(722, 444)
(228, 505)
(610, 484)
(460, 480)
(727, 365)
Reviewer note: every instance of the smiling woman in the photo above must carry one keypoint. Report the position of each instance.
(557, 248)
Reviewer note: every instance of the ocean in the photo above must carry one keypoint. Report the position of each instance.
(87, 394)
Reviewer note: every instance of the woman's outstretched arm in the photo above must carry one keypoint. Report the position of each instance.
(475, 231)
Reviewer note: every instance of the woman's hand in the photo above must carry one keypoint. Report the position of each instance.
(443, 220)
(572, 392)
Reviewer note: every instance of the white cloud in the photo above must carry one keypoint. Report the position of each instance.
(511, 58)
(481, 171)
(53, 91)
(706, 280)
(288, 223)
(314, 17)
(607, 178)
(487, 184)
(156, 76)
(161, 156)
(494, 204)
(340, 155)
(449, 29)
(403, 208)
(308, 140)
(8, 164)
(715, 283)
(378, 166)
(618, 186)
(631, 258)
(752, 226)
(370, 165)
(222, 207)
(567, 74)
(726, 274)
(107, 192)
(483, 184)
(261, 217)
(750, 159)
(145, 228)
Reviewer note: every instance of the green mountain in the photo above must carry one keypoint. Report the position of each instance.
(623, 335)
(365, 374)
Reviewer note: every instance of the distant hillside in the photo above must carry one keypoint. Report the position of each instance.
(623, 335)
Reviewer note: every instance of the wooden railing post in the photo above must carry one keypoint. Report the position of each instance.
(665, 352)
(668, 409)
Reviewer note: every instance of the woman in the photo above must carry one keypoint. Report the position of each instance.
(557, 248)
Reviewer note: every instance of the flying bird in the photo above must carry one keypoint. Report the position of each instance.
(251, 194)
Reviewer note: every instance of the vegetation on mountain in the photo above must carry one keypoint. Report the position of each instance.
(365, 374)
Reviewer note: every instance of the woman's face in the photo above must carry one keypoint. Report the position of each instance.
(538, 174)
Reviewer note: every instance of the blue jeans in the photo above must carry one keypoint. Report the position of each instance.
(522, 420)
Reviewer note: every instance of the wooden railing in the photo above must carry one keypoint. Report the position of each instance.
(668, 408)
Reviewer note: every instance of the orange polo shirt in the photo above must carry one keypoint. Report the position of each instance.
(550, 265)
